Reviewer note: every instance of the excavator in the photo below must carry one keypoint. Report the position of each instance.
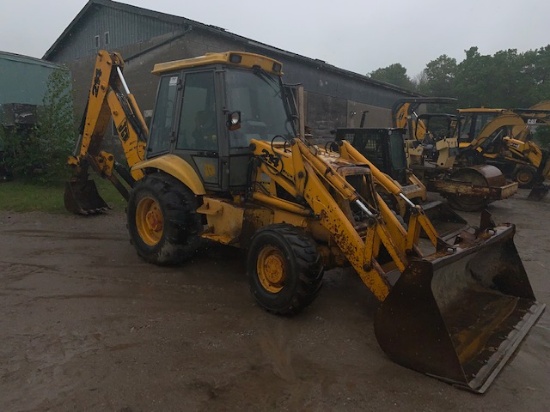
(432, 152)
(223, 162)
(503, 138)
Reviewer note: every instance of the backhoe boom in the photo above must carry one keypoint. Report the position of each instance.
(109, 98)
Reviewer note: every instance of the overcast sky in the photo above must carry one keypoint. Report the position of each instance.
(357, 35)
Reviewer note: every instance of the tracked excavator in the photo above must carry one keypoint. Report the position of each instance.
(223, 162)
(503, 138)
(432, 152)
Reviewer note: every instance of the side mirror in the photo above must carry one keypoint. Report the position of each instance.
(234, 121)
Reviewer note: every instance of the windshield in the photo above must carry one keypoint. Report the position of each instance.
(259, 97)
(468, 132)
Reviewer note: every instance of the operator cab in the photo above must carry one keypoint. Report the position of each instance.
(209, 108)
(437, 127)
(385, 148)
(472, 122)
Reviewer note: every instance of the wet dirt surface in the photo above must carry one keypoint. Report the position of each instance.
(86, 325)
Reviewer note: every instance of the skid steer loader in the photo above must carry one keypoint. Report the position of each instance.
(223, 162)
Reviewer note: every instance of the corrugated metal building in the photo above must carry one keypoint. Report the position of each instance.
(23, 79)
(334, 97)
(23, 85)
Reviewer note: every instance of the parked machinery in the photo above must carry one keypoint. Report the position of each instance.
(503, 138)
(432, 152)
(385, 152)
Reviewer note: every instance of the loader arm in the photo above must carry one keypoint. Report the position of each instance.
(359, 221)
(418, 218)
(109, 98)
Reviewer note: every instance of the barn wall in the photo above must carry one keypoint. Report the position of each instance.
(334, 97)
(110, 28)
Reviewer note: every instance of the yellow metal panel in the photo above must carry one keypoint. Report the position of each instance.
(248, 60)
(225, 220)
(177, 167)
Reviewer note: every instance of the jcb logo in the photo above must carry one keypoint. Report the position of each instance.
(122, 130)
(270, 159)
(95, 85)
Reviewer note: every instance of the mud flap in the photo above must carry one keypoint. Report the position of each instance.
(460, 317)
(82, 198)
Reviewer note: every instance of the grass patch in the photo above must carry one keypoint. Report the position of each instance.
(22, 196)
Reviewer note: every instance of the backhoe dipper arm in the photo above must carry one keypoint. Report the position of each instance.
(109, 97)
(403, 111)
(516, 126)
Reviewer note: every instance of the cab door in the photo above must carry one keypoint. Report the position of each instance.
(200, 127)
(162, 132)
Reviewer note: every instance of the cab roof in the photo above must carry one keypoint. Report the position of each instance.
(234, 58)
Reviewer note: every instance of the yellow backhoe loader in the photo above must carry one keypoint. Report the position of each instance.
(432, 147)
(223, 162)
(503, 138)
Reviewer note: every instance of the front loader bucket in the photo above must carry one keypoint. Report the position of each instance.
(460, 317)
(82, 198)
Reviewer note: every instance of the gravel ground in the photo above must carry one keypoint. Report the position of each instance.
(87, 325)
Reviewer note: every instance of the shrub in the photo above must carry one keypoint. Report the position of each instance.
(542, 136)
(39, 152)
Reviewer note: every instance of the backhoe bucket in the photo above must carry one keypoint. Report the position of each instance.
(538, 192)
(82, 198)
(460, 317)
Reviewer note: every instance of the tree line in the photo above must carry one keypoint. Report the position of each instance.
(507, 79)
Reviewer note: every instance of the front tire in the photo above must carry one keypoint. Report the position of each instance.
(284, 269)
(525, 175)
(162, 220)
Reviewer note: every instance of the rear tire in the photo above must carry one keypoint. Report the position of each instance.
(525, 175)
(284, 269)
(162, 220)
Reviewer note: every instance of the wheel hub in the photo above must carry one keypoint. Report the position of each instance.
(271, 269)
(149, 221)
(523, 177)
(154, 219)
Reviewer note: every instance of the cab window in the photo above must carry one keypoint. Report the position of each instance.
(162, 122)
(198, 125)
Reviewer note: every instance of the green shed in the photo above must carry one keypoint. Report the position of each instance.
(23, 79)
